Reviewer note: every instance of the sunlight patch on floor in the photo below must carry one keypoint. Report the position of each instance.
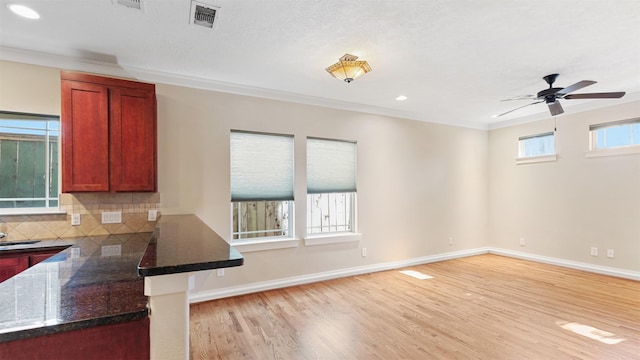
(416, 274)
(590, 332)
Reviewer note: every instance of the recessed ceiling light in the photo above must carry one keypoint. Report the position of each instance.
(23, 11)
(401, 98)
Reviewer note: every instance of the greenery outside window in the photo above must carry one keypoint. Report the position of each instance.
(29, 161)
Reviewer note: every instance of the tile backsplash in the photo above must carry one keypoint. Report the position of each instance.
(134, 208)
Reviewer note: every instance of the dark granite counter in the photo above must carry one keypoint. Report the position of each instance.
(183, 243)
(99, 280)
(92, 282)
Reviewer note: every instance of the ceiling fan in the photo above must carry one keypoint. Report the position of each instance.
(553, 94)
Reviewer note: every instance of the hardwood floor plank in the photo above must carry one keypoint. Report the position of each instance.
(481, 307)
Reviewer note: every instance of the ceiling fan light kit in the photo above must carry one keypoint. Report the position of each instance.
(348, 68)
(552, 95)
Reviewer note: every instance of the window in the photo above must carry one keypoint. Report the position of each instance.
(331, 186)
(261, 185)
(536, 145)
(29, 161)
(615, 134)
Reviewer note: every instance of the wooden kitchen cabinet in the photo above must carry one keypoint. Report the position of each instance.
(10, 266)
(108, 134)
(12, 263)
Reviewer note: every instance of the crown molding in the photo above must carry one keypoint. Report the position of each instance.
(147, 75)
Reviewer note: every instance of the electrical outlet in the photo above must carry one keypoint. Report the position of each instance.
(450, 241)
(221, 272)
(522, 242)
(153, 215)
(364, 252)
(594, 251)
(112, 217)
(111, 250)
(610, 253)
(75, 219)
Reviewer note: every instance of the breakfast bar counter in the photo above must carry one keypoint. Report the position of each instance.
(140, 280)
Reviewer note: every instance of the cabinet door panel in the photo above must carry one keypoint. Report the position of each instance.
(85, 137)
(12, 265)
(133, 140)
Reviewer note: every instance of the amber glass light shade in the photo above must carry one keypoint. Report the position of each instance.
(348, 68)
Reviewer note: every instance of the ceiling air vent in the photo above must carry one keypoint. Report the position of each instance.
(134, 4)
(204, 14)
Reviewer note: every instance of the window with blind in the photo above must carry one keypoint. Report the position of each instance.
(331, 186)
(536, 145)
(261, 185)
(615, 134)
(28, 162)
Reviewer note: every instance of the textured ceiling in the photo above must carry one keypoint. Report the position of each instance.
(454, 60)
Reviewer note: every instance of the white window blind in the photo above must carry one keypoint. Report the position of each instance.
(536, 145)
(261, 166)
(331, 166)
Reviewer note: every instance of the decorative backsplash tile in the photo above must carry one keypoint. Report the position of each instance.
(134, 208)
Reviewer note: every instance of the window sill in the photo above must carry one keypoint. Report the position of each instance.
(311, 240)
(31, 211)
(623, 150)
(264, 244)
(536, 159)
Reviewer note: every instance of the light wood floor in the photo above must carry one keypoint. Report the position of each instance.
(481, 307)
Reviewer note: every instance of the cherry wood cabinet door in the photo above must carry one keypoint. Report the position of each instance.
(108, 134)
(85, 137)
(11, 266)
(133, 139)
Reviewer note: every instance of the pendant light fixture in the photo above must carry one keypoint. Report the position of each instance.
(348, 68)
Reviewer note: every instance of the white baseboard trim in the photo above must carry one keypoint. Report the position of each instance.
(598, 269)
(326, 275)
(359, 270)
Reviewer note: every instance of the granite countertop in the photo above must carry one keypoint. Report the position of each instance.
(183, 243)
(99, 280)
(92, 282)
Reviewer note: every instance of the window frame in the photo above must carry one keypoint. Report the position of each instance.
(332, 236)
(262, 242)
(240, 240)
(522, 150)
(595, 151)
(48, 197)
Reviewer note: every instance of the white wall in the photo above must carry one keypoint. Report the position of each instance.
(563, 208)
(418, 183)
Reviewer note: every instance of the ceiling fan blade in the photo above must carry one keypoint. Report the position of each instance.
(521, 97)
(577, 86)
(607, 95)
(555, 108)
(518, 108)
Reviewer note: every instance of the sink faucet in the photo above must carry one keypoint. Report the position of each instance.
(2, 235)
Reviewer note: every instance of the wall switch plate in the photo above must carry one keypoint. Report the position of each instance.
(594, 251)
(153, 215)
(450, 241)
(221, 272)
(364, 252)
(112, 217)
(610, 253)
(75, 219)
(522, 242)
